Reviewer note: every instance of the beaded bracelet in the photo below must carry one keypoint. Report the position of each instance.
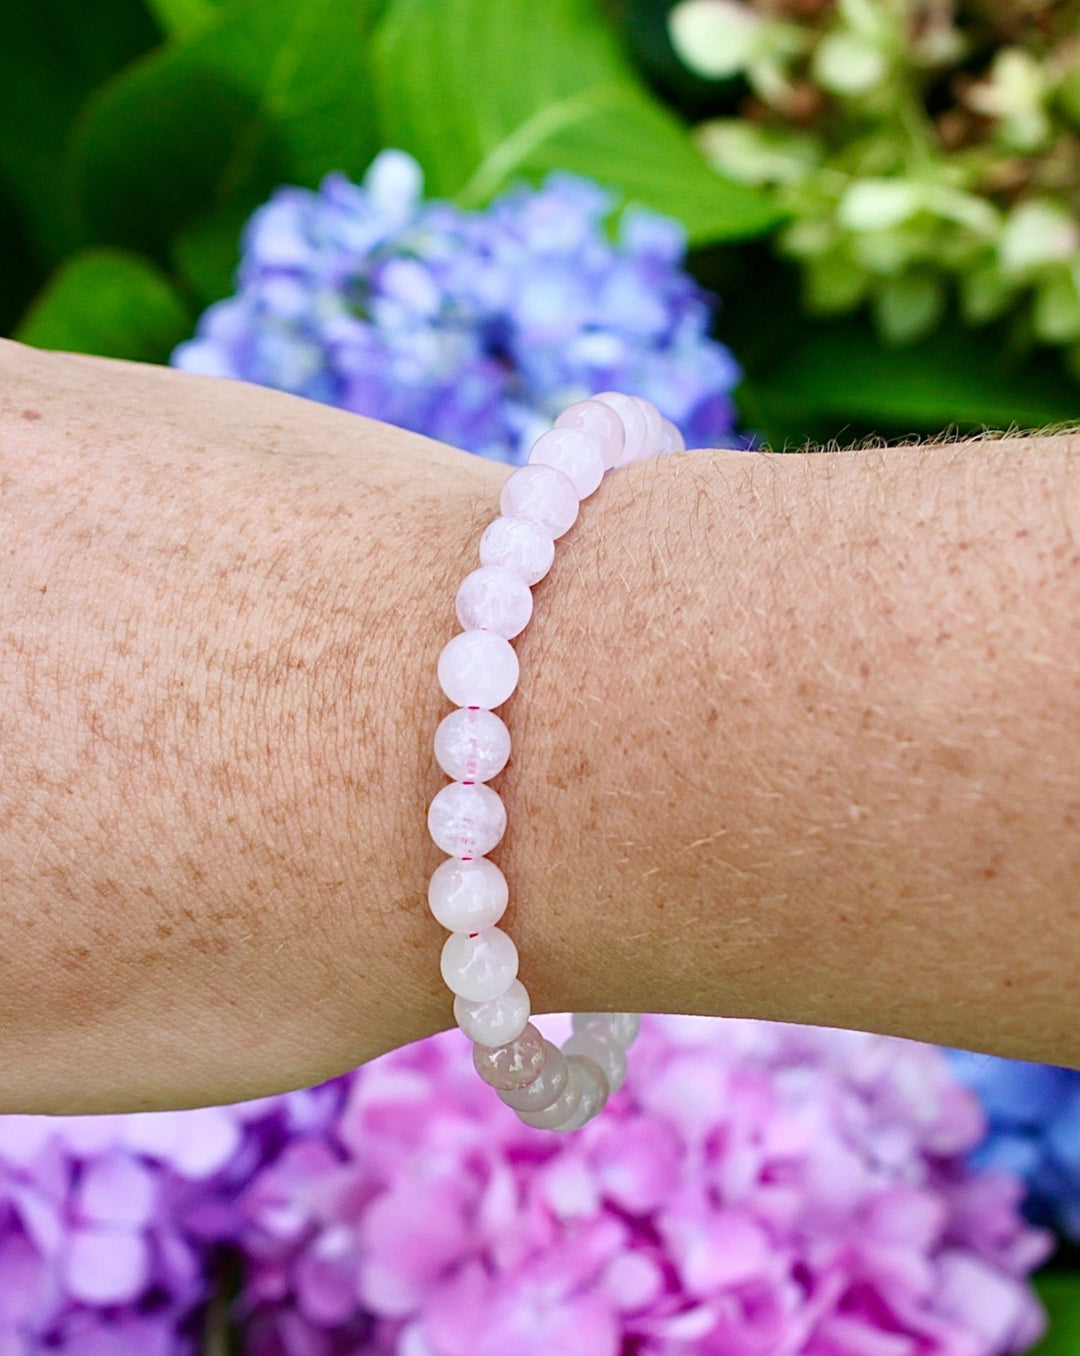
(549, 1088)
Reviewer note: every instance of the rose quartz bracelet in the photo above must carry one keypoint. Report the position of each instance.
(549, 1088)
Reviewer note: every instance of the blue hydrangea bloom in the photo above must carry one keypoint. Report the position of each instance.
(475, 328)
(1033, 1112)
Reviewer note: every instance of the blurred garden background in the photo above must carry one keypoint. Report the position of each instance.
(782, 221)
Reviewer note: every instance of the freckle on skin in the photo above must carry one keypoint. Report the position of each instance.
(31, 414)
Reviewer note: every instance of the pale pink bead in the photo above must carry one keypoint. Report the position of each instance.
(466, 821)
(671, 440)
(543, 494)
(494, 1021)
(621, 1026)
(633, 421)
(599, 421)
(513, 1065)
(577, 455)
(593, 1095)
(494, 599)
(479, 967)
(545, 1087)
(654, 428)
(603, 1050)
(478, 668)
(518, 544)
(471, 744)
(563, 1105)
(468, 896)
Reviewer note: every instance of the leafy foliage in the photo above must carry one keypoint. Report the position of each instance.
(198, 132)
(1060, 1293)
(479, 93)
(133, 150)
(108, 302)
(837, 381)
(51, 59)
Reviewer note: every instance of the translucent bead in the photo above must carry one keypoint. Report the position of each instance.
(468, 896)
(577, 455)
(548, 1085)
(563, 1105)
(591, 1099)
(519, 544)
(599, 421)
(466, 821)
(543, 494)
(654, 426)
(671, 440)
(472, 745)
(494, 1021)
(479, 967)
(632, 418)
(622, 1026)
(478, 668)
(602, 1049)
(513, 1065)
(494, 599)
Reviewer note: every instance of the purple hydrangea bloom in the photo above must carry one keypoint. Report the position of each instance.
(753, 1188)
(1033, 1130)
(110, 1225)
(476, 328)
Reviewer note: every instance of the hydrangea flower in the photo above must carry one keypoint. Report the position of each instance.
(919, 146)
(1033, 1114)
(752, 1188)
(109, 1225)
(476, 328)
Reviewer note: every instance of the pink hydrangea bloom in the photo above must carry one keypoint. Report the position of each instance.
(754, 1189)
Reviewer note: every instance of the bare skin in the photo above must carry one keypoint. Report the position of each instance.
(797, 738)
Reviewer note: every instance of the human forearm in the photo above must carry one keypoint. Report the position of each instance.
(203, 712)
(222, 612)
(813, 745)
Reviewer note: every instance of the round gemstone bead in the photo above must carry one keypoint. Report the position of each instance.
(545, 1087)
(622, 1026)
(513, 1065)
(494, 599)
(577, 455)
(471, 744)
(466, 821)
(479, 967)
(671, 440)
(654, 426)
(563, 1105)
(633, 422)
(543, 494)
(468, 896)
(519, 544)
(478, 668)
(603, 1050)
(494, 1021)
(593, 1095)
(599, 421)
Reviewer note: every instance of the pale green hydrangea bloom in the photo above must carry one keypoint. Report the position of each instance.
(920, 153)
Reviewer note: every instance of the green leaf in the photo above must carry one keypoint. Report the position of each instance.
(1060, 1293)
(51, 56)
(206, 253)
(276, 92)
(481, 93)
(184, 18)
(840, 380)
(111, 303)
